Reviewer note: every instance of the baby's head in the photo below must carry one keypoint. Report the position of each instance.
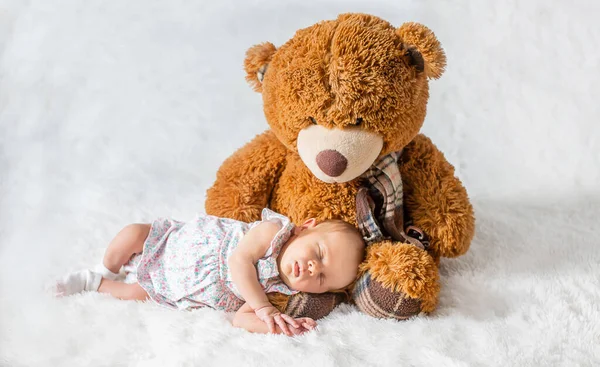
(321, 257)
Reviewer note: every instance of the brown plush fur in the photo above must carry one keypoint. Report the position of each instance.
(256, 57)
(436, 199)
(357, 66)
(354, 67)
(424, 40)
(388, 261)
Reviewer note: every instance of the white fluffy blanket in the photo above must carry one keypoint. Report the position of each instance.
(120, 111)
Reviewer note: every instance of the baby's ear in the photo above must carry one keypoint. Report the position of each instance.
(256, 63)
(423, 48)
(309, 223)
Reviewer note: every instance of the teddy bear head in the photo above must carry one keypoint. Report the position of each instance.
(344, 92)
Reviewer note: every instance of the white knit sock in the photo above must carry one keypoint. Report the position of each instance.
(77, 282)
(103, 270)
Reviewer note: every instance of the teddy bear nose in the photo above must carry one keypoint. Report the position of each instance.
(331, 162)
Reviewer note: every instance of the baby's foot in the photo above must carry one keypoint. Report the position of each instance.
(77, 282)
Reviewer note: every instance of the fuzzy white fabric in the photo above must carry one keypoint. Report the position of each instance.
(114, 112)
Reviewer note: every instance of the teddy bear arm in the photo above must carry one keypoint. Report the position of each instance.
(246, 179)
(435, 199)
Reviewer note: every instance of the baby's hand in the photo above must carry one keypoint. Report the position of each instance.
(271, 316)
(306, 324)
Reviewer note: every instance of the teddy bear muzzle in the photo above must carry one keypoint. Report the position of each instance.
(338, 155)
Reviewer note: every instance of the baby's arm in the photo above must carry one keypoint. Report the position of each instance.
(242, 263)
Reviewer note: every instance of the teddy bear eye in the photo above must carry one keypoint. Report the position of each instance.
(359, 121)
(312, 119)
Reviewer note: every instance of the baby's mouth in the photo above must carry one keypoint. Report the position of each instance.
(296, 269)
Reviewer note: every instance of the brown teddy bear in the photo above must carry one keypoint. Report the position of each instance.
(345, 100)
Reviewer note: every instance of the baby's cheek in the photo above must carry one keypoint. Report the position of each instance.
(303, 286)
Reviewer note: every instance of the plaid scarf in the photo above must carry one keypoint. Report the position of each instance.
(379, 207)
(380, 216)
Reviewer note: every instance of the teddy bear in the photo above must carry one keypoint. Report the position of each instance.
(345, 100)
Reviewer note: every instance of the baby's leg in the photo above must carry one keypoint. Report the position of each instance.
(122, 290)
(129, 241)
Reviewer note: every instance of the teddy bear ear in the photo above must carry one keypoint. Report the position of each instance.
(256, 63)
(423, 48)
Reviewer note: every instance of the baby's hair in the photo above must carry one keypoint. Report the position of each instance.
(340, 225)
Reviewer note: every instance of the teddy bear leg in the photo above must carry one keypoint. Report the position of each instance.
(398, 281)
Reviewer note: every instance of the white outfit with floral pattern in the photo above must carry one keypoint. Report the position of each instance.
(184, 265)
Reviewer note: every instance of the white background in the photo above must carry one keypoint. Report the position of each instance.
(113, 112)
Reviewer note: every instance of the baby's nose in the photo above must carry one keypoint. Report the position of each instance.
(314, 267)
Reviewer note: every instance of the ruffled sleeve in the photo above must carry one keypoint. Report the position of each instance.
(284, 233)
(266, 267)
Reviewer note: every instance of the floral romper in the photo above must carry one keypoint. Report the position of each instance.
(184, 265)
